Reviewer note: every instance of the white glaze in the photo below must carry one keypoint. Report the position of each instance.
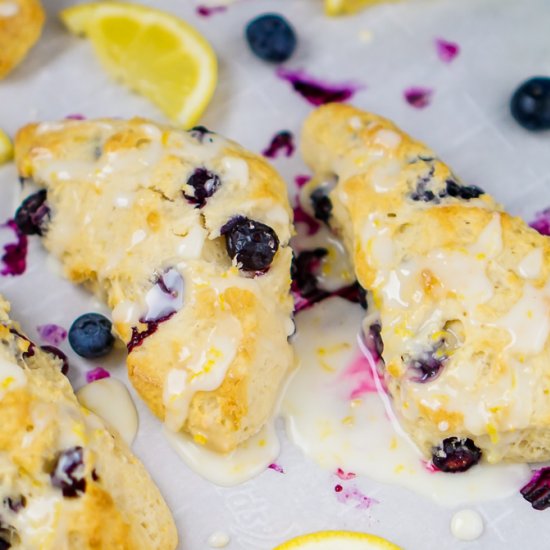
(218, 539)
(110, 399)
(467, 525)
(387, 138)
(8, 9)
(531, 265)
(158, 302)
(248, 460)
(12, 376)
(489, 243)
(334, 415)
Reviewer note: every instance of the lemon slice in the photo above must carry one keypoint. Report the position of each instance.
(345, 7)
(338, 540)
(6, 148)
(154, 53)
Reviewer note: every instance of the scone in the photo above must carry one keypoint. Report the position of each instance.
(65, 480)
(185, 235)
(462, 290)
(21, 23)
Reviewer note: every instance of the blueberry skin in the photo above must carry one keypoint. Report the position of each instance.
(33, 214)
(456, 454)
(271, 37)
(90, 335)
(530, 104)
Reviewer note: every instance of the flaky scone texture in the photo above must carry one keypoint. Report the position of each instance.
(461, 287)
(66, 481)
(208, 341)
(21, 23)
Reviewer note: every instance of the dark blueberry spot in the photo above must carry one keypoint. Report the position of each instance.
(530, 104)
(281, 141)
(304, 268)
(456, 454)
(56, 352)
(5, 538)
(363, 297)
(14, 257)
(34, 214)
(199, 132)
(271, 37)
(422, 193)
(90, 335)
(31, 346)
(466, 192)
(537, 491)
(138, 337)
(252, 244)
(321, 203)
(68, 472)
(426, 368)
(15, 503)
(95, 476)
(203, 184)
(373, 340)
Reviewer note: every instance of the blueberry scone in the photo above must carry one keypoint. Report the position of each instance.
(185, 235)
(21, 23)
(461, 290)
(66, 482)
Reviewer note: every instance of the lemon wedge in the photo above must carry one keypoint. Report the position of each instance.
(346, 7)
(6, 148)
(338, 540)
(154, 53)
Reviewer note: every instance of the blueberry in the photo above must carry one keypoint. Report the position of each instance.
(33, 214)
(465, 192)
(373, 340)
(15, 503)
(321, 203)
(68, 472)
(252, 244)
(456, 454)
(271, 37)
(426, 368)
(199, 132)
(530, 104)
(537, 491)
(90, 335)
(56, 352)
(204, 184)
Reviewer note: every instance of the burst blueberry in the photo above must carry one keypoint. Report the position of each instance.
(33, 214)
(251, 243)
(530, 104)
(456, 454)
(90, 335)
(203, 185)
(271, 37)
(537, 491)
(56, 352)
(68, 472)
(321, 203)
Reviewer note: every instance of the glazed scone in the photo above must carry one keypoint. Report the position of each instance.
(461, 287)
(66, 482)
(185, 235)
(21, 23)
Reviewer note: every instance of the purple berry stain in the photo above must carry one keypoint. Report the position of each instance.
(207, 11)
(315, 91)
(301, 216)
(348, 495)
(51, 334)
(446, 51)
(75, 116)
(361, 373)
(345, 476)
(98, 373)
(276, 468)
(418, 97)
(138, 336)
(301, 179)
(537, 491)
(541, 223)
(281, 143)
(14, 258)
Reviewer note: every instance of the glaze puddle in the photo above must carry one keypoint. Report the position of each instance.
(418, 97)
(14, 258)
(282, 144)
(446, 51)
(318, 92)
(541, 223)
(360, 435)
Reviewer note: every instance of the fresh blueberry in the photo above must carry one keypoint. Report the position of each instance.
(252, 244)
(33, 214)
(90, 335)
(203, 184)
(271, 37)
(68, 472)
(56, 352)
(456, 454)
(537, 491)
(321, 203)
(530, 104)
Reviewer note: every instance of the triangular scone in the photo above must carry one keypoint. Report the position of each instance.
(462, 289)
(65, 480)
(185, 235)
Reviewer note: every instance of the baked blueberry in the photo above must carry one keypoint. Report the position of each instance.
(33, 214)
(271, 37)
(321, 203)
(68, 472)
(537, 491)
(199, 132)
(456, 454)
(15, 503)
(56, 352)
(530, 104)
(203, 184)
(90, 335)
(252, 244)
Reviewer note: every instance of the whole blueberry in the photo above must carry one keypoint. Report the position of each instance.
(90, 335)
(253, 244)
(530, 104)
(456, 454)
(271, 37)
(33, 214)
